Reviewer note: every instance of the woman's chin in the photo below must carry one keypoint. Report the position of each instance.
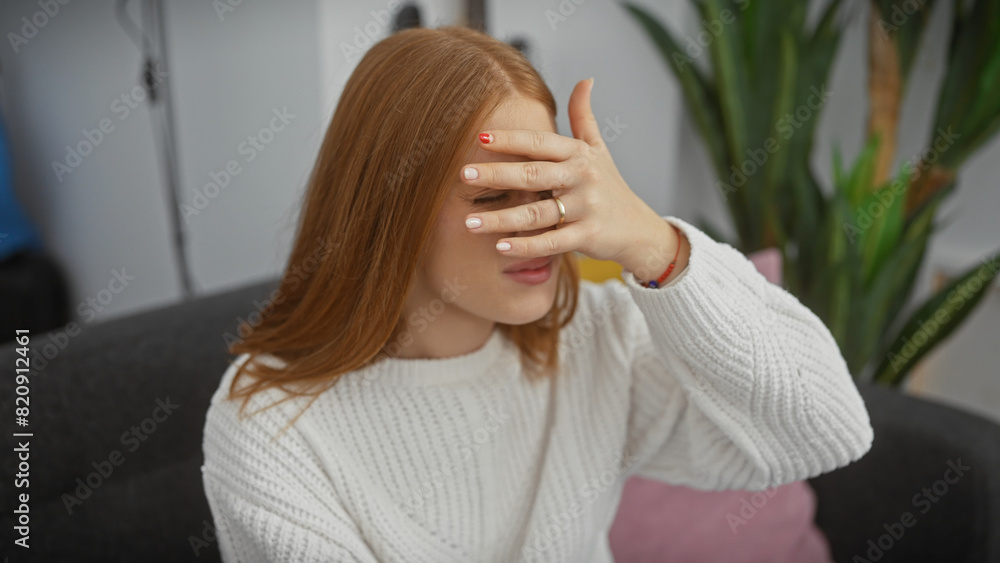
(527, 306)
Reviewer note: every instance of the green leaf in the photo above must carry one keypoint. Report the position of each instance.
(937, 318)
(968, 97)
(838, 170)
(891, 281)
(859, 183)
(732, 84)
(838, 264)
(775, 168)
(825, 29)
(698, 92)
(919, 230)
(885, 230)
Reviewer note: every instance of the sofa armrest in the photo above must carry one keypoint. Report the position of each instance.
(929, 489)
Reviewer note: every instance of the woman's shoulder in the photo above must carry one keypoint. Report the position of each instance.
(225, 383)
(268, 410)
(247, 446)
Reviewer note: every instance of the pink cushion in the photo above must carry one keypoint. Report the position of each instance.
(768, 263)
(669, 523)
(661, 522)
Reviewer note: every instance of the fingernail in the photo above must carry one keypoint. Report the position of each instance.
(503, 246)
(473, 222)
(486, 138)
(471, 173)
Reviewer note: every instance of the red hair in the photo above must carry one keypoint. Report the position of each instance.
(368, 212)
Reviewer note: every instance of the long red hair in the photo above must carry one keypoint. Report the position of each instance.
(400, 133)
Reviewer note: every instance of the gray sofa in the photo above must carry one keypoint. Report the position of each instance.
(117, 415)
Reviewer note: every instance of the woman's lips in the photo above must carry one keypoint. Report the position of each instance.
(532, 276)
(534, 264)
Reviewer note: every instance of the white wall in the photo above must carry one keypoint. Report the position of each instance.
(229, 74)
(252, 70)
(346, 29)
(108, 214)
(111, 213)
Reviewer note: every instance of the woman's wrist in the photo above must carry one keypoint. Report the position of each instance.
(667, 249)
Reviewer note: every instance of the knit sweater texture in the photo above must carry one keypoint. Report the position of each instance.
(717, 380)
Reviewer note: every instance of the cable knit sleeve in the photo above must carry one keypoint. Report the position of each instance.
(269, 500)
(734, 383)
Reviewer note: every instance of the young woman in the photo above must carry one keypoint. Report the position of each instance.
(431, 381)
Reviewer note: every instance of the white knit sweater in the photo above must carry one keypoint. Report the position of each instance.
(718, 380)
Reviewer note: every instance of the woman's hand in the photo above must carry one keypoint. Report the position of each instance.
(604, 218)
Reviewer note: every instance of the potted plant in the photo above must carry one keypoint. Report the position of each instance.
(851, 256)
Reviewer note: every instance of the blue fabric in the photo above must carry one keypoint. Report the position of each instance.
(17, 232)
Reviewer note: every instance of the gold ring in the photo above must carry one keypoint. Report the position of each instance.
(562, 211)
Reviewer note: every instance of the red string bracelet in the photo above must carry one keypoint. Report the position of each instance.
(656, 283)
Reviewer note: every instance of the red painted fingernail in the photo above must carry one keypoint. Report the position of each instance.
(485, 138)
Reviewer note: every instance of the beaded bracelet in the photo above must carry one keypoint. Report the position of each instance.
(656, 283)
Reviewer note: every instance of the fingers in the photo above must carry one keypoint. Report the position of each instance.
(530, 176)
(581, 116)
(546, 244)
(528, 217)
(539, 145)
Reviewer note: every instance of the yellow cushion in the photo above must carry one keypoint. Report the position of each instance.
(599, 270)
